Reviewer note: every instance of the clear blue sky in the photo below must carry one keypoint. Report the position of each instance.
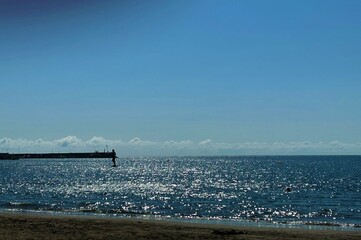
(229, 71)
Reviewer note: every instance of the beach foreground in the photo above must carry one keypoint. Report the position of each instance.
(29, 226)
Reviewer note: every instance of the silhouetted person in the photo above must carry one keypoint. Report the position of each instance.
(113, 158)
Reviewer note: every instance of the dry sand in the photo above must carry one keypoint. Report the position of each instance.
(27, 226)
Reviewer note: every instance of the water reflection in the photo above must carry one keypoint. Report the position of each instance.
(322, 189)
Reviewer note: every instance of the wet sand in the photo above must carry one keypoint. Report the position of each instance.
(32, 226)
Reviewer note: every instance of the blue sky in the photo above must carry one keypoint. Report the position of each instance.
(220, 72)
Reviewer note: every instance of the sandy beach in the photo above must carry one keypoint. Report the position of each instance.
(31, 226)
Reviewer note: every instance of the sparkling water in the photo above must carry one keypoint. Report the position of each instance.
(306, 190)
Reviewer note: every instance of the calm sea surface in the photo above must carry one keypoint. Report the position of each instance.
(323, 190)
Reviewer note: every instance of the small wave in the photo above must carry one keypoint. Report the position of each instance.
(332, 224)
(101, 208)
(111, 211)
(326, 224)
(30, 206)
(19, 204)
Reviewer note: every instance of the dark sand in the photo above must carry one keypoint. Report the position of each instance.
(31, 226)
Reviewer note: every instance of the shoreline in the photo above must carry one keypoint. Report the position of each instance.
(307, 225)
(16, 225)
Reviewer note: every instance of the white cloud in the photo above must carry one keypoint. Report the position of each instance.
(135, 141)
(178, 145)
(137, 146)
(95, 141)
(69, 141)
(206, 142)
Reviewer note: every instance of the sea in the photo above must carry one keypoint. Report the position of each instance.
(275, 191)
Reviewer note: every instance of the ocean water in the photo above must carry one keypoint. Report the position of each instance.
(323, 190)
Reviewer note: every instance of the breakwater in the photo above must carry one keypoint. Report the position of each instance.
(17, 156)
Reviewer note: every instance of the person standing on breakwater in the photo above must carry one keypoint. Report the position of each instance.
(114, 155)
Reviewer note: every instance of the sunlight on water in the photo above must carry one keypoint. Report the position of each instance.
(310, 190)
